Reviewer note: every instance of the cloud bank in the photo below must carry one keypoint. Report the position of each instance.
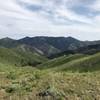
(78, 18)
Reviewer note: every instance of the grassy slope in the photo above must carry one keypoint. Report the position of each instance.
(60, 61)
(27, 83)
(74, 63)
(19, 58)
(89, 63)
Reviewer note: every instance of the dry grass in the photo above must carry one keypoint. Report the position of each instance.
(33, 84)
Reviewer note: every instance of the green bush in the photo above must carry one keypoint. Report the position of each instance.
(10, 89)
(11, 75)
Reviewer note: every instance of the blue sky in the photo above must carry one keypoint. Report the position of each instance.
(77, 18)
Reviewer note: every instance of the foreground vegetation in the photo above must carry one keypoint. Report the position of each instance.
(32, 84)
(73, 77)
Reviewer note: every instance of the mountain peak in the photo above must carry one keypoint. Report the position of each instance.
(6, 39)
(69, 37)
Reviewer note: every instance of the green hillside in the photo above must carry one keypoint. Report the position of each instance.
(86, 64)
(74, 63)
(18, 57)
(60, 61)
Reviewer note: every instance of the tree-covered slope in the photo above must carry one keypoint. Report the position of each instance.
(53, 46)
(46, 45)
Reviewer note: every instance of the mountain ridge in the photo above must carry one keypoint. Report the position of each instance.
(46, 45)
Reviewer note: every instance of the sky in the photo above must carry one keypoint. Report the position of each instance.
(76, 18)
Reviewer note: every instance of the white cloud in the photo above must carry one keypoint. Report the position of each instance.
(96, 5)
(55, 19)
(72, 16)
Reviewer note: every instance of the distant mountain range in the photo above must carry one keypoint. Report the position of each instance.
(50, 46)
